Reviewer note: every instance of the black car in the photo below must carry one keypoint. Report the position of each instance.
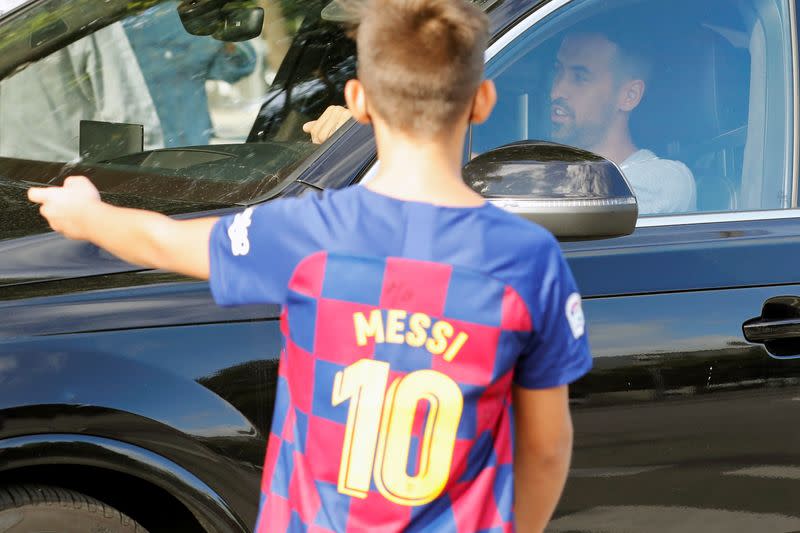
(128, 399)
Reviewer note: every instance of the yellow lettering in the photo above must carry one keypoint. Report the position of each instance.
(368, 328)
(418, 324)
(455, 347)
(440, 332)
(394, 325)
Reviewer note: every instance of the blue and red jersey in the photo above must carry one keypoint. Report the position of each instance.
(405, 326)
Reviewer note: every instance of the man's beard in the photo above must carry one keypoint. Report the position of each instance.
(565, 134)
(585, 136)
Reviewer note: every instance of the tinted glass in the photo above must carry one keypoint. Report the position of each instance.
(692, 101)
(154, 111)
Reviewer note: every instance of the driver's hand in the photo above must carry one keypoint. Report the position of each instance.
(327, 123)
(65, 207)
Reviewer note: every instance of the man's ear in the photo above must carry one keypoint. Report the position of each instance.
(483, 103)
(356, 100)
(631, 95)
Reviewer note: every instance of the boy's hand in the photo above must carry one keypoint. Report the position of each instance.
(66, 208)
(328, 122)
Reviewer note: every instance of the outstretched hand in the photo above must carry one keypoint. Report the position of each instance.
(65, 208)
(328, 122)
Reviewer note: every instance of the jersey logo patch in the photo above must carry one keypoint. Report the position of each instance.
(575, 315)
(237, 232)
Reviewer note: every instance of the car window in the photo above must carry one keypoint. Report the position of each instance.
(692, 101)
(158, 112)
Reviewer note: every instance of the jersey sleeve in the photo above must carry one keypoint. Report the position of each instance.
(254, 253)
(557, 352)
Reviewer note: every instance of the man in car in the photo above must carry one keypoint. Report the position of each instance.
(598, 83)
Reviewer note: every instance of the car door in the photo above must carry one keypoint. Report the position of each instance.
(688, 420)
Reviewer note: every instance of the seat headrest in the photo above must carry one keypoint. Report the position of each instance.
(697, 91)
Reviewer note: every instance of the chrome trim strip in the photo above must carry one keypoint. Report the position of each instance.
(522, 27)
(523, 204)
(795, 104)
(708, 218)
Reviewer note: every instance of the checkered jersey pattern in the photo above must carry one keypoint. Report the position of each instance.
(398, 303)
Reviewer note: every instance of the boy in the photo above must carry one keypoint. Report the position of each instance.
(415, 314)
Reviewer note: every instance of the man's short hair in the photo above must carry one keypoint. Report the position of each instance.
(632, 63)
(632, 59)
(421, 61)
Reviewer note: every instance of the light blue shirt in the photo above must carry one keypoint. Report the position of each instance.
(661, 186)
(176, 65)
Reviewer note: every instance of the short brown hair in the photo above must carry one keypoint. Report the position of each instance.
(420, 61)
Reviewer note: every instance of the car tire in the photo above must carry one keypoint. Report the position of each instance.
(46, 509)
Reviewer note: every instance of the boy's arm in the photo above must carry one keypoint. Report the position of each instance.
(136, 236)
(542, 452)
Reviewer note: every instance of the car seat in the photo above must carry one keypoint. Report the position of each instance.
(695, 110)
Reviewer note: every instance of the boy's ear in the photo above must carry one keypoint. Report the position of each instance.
(356, 100)
(483, 103)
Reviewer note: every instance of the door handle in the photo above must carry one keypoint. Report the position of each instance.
(763, 331)
(778, 327)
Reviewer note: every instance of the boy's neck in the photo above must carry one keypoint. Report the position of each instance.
(426, 170)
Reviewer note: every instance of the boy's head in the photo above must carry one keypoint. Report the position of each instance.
(420, 65)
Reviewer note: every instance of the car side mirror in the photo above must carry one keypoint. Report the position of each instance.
(225, 20)
(573, 193)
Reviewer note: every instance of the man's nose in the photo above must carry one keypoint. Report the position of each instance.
(557, 89)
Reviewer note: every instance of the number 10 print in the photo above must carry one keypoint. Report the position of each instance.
(377, 437)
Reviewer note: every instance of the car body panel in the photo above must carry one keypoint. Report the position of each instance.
(195, 395)
(147, 299)
(681, 412)
(688, 257)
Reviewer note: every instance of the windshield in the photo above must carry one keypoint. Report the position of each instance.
(168, 102)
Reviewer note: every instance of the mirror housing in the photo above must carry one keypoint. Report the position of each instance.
(573, 193)
(224, 20)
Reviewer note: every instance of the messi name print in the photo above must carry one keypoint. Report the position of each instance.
(397, 395)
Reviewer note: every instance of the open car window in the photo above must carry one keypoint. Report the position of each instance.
(148, 110)
(693, 102)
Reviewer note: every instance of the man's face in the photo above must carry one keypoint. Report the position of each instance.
(583, 97)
